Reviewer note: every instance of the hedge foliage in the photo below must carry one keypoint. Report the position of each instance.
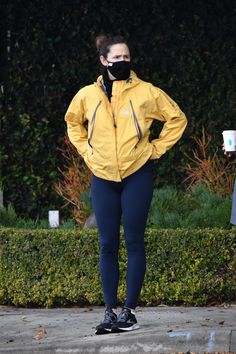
(196, 208)
(185, 47)
(59, 267)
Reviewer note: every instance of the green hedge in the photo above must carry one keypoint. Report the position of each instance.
(60, 267)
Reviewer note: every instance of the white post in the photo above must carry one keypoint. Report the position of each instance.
(53, 218)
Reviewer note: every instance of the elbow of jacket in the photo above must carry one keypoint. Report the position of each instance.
(184, 117)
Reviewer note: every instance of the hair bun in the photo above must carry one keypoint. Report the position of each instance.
(105, 41)
(100, 41)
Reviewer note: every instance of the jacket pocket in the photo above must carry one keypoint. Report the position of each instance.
(136, 123)
(92, 124)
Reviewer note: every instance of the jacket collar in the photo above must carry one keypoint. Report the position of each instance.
(132, 81)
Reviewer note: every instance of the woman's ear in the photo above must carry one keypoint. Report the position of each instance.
(103, 60)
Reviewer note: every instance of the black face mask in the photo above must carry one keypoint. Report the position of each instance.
(119, 69)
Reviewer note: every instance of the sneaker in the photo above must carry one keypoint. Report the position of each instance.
(126, 321)
(109, 320)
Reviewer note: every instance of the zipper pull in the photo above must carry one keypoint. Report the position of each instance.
(114, 121)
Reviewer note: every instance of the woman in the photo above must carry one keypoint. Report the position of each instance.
(119, 109)
(233, 208)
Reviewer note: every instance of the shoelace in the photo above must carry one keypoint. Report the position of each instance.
(109, 317)
(123, 316)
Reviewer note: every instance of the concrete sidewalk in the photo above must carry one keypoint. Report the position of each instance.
(162, 330)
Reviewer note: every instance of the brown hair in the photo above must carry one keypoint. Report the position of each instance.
(104, 42)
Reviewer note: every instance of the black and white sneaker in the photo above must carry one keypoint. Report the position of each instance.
(126, 321)
(109, 320)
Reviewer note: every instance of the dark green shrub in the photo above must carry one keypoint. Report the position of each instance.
(9, 218)
(197, 207)
(60, 267)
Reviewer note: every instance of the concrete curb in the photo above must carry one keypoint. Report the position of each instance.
(162, 330)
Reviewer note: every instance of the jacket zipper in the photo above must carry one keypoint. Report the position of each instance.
(92, 124)
(113, 114)
(136, 123)
(114, 120)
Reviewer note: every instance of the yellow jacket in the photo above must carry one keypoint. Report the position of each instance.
(113, 136)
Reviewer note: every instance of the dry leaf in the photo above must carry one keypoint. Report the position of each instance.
(88, 309)
(24, 318)
(41, 333)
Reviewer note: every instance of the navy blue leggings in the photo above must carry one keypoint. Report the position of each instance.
(130, 200)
